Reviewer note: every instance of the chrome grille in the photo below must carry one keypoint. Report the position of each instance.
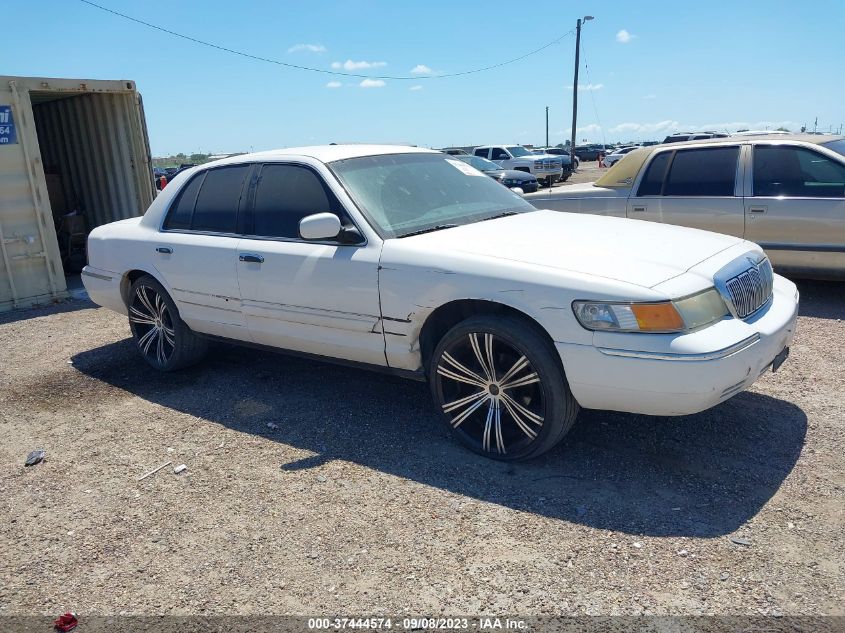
(751, 289)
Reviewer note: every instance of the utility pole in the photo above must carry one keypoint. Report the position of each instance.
(575, 85)
(547, 126)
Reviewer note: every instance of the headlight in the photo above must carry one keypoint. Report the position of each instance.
(666, 316)
(510, 181)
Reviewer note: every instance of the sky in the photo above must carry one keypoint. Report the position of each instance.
(648, 68)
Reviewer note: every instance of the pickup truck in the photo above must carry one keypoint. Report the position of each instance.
(547, 168)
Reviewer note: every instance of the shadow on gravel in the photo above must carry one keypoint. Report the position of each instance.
(69, 305)
(701, 475)
(822, 299)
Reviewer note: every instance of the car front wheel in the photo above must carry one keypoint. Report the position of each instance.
(501, 388)
(162, 338)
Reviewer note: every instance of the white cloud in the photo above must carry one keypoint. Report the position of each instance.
(649, 97)
(311, 48)
(421, 69)
(623, 37)
(350, 65)
(417, 87)
(334, 84)
(372, 83)
(587, 87)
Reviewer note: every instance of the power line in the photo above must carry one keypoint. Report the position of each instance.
(593, 99)
(320, 70)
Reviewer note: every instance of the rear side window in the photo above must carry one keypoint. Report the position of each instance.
(702, 172)
(481, 152)
(652, 182)
(217, 203)
(781, 170)
(286, 194)
(181, 213)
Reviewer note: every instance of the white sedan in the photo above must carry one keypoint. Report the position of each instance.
(412, 262)
(618, 154)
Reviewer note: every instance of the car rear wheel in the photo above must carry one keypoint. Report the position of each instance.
(162, 338)
(501, 389)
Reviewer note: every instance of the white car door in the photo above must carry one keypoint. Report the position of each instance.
(695, 187)
(195, 253)
(500, 156)
(796, 207)
(314, 297)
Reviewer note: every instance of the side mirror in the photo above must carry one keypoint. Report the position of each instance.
(320, 226)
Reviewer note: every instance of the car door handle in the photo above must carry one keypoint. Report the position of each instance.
(638, 209)
(164, 250)
(253, 258)
(757, 209)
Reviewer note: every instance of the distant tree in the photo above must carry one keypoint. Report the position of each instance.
(783, 129)
(181, 156)
(199, 158)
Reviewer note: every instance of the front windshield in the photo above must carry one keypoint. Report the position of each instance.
(480, 163)
(837, 146)
(408, 193)
(518, 150)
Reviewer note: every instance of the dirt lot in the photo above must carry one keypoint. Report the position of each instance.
(357, 501)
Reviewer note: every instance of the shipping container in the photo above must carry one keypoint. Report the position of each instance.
(74, 154)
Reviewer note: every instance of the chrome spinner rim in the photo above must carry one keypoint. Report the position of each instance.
(491, 393)
(153, 325)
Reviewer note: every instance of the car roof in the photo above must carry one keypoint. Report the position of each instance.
(816, 139)
(323, 153)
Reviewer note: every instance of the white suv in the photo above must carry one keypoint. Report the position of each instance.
(547, 168)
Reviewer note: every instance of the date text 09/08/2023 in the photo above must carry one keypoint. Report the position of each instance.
(418, 623)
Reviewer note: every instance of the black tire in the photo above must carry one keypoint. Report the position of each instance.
(487, 416)
(161, 336)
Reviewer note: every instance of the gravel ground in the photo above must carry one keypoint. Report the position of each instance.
(356, 501)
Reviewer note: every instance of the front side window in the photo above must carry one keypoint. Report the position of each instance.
(500, 154)
(702, 172)
(217, 204)
(284, 195)
(785, 170)
(407, 193)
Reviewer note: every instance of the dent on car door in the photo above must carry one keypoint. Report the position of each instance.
(796, 210)
(696, 187)
(195, 251)
(315, 297)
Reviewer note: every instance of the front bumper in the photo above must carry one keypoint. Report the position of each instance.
(681, 374)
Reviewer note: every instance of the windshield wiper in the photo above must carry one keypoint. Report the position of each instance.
(430, 229)
(501, 215)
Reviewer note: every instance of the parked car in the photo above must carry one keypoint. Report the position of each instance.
(785, 192)
(618, 154)
(559, 151)
(548, 169)
(408, 261)
(510, 178)
(680, 137)
(589, 152)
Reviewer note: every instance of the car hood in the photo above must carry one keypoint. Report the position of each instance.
(632, 251)
(581, 190)
(521, 176)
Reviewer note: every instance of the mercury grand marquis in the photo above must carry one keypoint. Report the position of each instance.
(413, 262)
